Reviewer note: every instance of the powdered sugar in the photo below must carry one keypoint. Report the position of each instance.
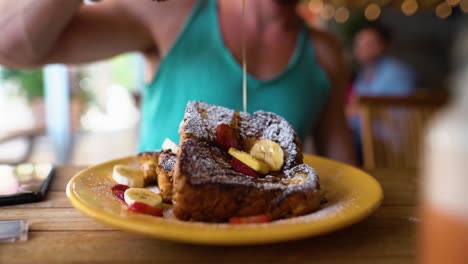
(167, 160)
(203, 162)
(328, 211)
(211, 165)
(311, 180)
(266, 125)
(201, 120)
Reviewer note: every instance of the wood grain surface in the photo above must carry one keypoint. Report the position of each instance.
(61, 234)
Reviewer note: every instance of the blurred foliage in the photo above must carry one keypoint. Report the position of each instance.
(30, 81)
(123, 72)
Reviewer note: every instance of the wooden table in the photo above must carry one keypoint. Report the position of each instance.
(61, 234)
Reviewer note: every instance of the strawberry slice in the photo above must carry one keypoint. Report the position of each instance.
(256, 219)
(119, 190)
(143, 208)
(227, 136)
(239, 166)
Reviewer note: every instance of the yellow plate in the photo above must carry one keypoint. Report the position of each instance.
(352, 195)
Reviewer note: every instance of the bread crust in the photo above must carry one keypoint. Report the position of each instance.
(206, 188)
(165, 171)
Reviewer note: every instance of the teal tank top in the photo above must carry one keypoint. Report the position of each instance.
(200, 67)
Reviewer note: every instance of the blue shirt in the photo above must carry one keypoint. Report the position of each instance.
(390, 77)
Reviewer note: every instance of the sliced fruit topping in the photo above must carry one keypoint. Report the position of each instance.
(170, 145)
(242, 168)
(298, 178)
(118, 190)
(143, 208)
(256, 219)
(259, 166)
(129, 176)
(269, 152)
(248, 142)
(227, 136)
(142, 195)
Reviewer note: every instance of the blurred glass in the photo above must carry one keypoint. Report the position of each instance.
(13, 231)
(444, 231)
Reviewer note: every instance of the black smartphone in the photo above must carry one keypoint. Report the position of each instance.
(24, 183)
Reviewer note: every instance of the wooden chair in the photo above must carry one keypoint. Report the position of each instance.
(392, 128)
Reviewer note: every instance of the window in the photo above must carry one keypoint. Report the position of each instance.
(91, 111)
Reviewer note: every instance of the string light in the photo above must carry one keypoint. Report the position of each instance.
(328, 12)
(409, 7)
(452, 2)
(443, 10)
(464, 6)
(341, 14)
(372, 11)
(315, 6)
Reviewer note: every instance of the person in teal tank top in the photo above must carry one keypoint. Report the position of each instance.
(200, 67)
(193, 52)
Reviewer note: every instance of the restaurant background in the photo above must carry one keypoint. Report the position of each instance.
(87, 114)
(95, 117)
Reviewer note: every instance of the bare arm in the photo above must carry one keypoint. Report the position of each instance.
(66, 31)
(98, 32)
(30, 28)
(333, 137)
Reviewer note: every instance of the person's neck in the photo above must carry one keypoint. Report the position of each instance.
(374, 64)
(267, 13)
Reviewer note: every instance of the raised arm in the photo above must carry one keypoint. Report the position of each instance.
(31, 28)
(333, 137)
(67, 31)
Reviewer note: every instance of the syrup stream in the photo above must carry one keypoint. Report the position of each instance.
(244, 59)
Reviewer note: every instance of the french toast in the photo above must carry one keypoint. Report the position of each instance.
(165, 171)
(148, 162)
(158, 167)
(206, 186)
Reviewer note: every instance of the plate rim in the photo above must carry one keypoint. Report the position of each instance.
(225, 234)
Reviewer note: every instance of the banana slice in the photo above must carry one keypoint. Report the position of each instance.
(169, 144)
(269, 152)
(143, 195)
(132, 177)
(258, 165)
(298, 178)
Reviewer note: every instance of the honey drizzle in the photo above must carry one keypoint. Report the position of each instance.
(244, 58)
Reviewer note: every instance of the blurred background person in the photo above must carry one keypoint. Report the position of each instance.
(379, 73)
